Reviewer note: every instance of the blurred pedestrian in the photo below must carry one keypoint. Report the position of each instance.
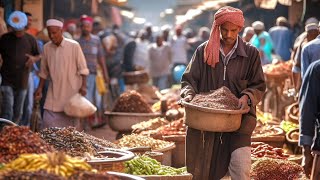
(160, 60)
(71, 30)
(203, 36)
(282, 38)
(263, 42)
(310, 53)
(166, 33)
(310, 120)
(141, 54)
(247, 34)
(19, 52)
(94, 55)
(149, 33)
(128, 53)
(29, 28)
(64, 63)
(224, 61)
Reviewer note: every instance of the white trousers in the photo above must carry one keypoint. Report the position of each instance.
(240, 164)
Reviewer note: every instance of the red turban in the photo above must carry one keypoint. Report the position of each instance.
(224, 14)
(85, 18)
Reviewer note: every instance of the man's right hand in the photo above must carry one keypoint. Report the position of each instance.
(38, 94)
(307, 160)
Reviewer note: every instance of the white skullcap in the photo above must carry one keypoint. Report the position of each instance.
(312, 26)
(281, 19)
(258, 25)
(312, 20)
(248, 30)
(54, 22)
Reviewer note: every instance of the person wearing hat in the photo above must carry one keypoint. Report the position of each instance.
(282, 38)
(65, 65)
(224, 60)
(19, 52)
(310, 53)
(262, 41)
(247, 34)
(312, 32)
(94, 54)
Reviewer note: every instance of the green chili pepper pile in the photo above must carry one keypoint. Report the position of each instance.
(144, 165)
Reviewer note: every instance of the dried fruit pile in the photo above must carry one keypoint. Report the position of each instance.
(131, 101)
(259, 149)
(149, 125)
(73, 142)
(275, 169)
(221, 98)
(25, 175)
(176, 127)
(136, 140)
(16, 140)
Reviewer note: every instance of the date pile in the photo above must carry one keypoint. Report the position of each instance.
(221, 98)
(73, 142)
(149, 125)
(259, 149)
(131, 101)
(16, 140)
(176, 127)
(275, 169)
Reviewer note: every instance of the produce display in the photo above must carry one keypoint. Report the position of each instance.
(73, 142)
(288, 126)
(131, 101)
(259, 150)
(144, 165)
(149, 125)
(221, 98)
(56, 163)
(28, 175)
(275, 169)
(16, 140)
(176, 127)
(279, 68)
(136, 140)
(265, 130)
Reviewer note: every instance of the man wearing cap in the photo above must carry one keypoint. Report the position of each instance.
(94, 54)
(65, 65)
(247, 34)
(312, 32)
(282, 38)
(263, 42)
(310, 53)
(19, 51)
(224, 60)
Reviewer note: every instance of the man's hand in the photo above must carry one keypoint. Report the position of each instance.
(243, 103)
(307, 160)
(38, 94)
(83, 90)
(31, 60)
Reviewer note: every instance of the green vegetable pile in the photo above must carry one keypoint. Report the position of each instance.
(144, 165)
(288, 126)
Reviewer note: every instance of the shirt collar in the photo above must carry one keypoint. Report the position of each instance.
(240, 48)
(62, 44)
(232, 50)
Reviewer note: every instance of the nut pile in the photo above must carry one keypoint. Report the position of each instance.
(176, 127)
(131, 101)
(135, 140)
(29, 175)
(90, 175)
(221, 98)
(16, 140)
(73, 142)
(149, 125)
(275, 169)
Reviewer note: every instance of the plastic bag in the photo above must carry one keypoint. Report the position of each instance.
(100, 81)
(78, 106)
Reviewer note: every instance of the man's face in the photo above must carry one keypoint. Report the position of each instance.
(312, 34)
(86, 28)
(55, 34)
(29, 21)
(159, 41)
(229, 33)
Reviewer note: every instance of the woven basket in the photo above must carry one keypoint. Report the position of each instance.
(214, 120)
(136, 77)
(275, 141)
(114, 160)
(289, 113)
(120, 121)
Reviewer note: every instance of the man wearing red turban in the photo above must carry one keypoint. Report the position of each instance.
(224, 60)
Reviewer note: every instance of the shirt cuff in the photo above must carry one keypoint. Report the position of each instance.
(296, 69)
(84, 71)
(305, 140)
(43, 75)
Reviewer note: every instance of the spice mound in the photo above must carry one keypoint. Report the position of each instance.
(275, 169)
(135, 140)
(221, 98)
(73, 142)
(131, 101)
(16, 140)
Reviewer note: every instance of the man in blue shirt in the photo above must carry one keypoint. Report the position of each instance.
(310, 53)
(282, 38)
(309, 119)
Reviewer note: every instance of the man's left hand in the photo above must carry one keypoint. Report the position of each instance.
(83, 90)
(243, 103)
(31, 60)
